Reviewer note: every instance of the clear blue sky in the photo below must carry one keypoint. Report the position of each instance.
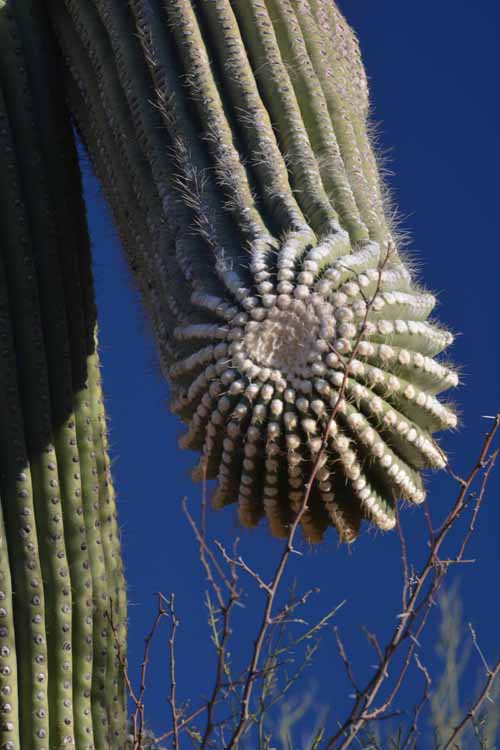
(433, 69)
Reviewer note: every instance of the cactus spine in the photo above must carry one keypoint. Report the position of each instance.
(231, 139)
(60, 565)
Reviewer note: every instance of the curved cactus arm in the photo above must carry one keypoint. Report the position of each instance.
(262, 240)
(57, 504)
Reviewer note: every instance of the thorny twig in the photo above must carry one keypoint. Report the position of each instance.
(209, 561)
(411, 736)
(173, 683)
(345, 661)
(491, 675)
(137, 698)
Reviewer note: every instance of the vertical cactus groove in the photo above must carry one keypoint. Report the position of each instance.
(231, 139)
(60, 565)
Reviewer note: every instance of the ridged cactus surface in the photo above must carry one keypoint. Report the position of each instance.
(60, 568)
(231, 140)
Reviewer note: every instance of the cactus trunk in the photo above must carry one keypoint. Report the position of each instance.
(231, 140)
(60, 566)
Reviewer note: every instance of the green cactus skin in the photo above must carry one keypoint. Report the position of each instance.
(61, 684)
(231, 140)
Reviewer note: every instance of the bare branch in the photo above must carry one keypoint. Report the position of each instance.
(471, 713)
(413, 730)
(171, 649)
(345, 661)
(419, 600)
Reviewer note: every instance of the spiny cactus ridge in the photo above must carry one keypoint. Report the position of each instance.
(231, 140)
(61, 683)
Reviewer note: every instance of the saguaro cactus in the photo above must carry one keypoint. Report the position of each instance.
(60, 566)
(231, 139)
